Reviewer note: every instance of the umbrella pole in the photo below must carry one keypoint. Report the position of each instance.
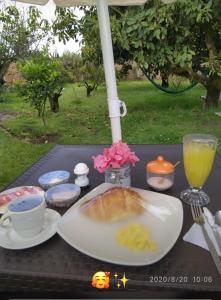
(114, 103)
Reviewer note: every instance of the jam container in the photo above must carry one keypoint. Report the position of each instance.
(160, 174)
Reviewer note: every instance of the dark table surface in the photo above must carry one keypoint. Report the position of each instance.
(55, 266)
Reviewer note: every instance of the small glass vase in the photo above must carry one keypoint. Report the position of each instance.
(120, 176)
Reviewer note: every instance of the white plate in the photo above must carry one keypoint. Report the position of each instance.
(163, 218)
(17, 192)
(9, 239)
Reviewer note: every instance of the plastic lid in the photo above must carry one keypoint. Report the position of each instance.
(160, 166)
(53, 178)
(62, 194)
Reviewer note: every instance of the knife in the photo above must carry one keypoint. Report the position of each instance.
(210, 220)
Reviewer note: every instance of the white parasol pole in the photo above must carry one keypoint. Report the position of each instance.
(114, 103)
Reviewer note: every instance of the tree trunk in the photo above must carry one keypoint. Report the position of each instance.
(54, 103)
(165, 81)
(2, 81)
(89, 91)
(89, 88)
(3, 68)
(212, 96)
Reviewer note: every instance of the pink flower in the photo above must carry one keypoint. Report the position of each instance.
(116, 156)
(100, 163)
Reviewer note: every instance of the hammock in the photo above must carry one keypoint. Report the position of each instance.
(168, 90)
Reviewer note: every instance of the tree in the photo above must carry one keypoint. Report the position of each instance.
(88, 28)
(88, 65)
(44, 81)
(182, 38)
(92, 72)
(21, 35)
(66, 24)
(72, 64)
(92, 76)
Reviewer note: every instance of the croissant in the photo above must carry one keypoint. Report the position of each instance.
(113, 205)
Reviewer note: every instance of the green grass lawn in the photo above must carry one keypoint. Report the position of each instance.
(153, 117)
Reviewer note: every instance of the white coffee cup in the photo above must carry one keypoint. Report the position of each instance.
(26, 214)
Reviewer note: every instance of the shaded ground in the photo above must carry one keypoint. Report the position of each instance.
(214, 123)
(45, 138)
(4, 115)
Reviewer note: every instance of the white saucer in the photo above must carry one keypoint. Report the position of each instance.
(11, 194)
(9, 239)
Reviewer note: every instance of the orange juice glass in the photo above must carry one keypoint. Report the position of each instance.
(198, 156)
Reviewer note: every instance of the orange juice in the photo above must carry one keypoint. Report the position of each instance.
(198, 161)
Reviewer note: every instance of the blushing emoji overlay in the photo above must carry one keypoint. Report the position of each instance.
(101, 280)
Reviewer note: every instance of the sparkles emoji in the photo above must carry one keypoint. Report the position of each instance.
(101, 280)
(124, 280)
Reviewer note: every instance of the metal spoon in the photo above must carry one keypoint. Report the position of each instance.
(218, 218)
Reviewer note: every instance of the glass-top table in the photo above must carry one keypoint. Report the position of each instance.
(54, 267)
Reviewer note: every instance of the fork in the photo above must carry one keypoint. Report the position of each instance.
(198, 218)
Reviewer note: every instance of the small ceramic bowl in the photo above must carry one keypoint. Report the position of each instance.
(51, 179)
(62, 195)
